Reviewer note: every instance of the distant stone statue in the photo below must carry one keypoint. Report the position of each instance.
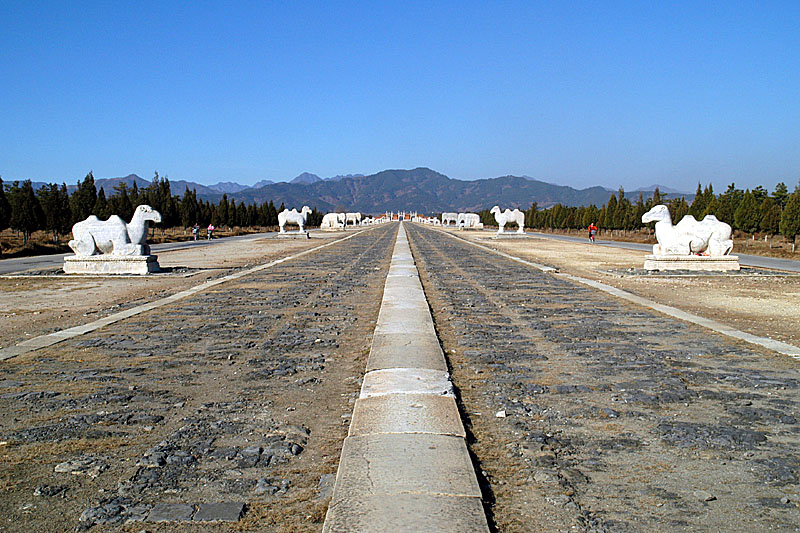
(447, 218)
(708, 237)
(113, 236)
(468, 221)
(293, 217)
(507, 216)
(353, 218)
(333, 221)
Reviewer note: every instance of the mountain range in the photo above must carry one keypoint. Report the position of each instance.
(419, 189)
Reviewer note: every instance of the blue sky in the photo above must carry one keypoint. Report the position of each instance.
(595, 93)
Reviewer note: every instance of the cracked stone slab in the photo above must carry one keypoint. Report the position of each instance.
(405, 463)
(219, 512)
(171, 512)
(400, 350)
(406, 413)
(406, 381)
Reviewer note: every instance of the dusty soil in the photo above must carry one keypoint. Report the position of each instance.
(586, 413)
(764, 305)
(239, 394)
(38, 305)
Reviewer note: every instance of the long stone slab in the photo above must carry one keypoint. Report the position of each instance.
(406, 413)
(398, 350)
(407, 513)
(397, 463)
(406, 381)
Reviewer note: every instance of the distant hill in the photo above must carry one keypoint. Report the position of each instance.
(227, 187)
(306, 178)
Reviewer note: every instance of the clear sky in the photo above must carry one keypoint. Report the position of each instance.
(596, 93)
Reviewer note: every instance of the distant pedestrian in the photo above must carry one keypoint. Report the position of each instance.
(196, 231)
(211, 229)
(592, 231)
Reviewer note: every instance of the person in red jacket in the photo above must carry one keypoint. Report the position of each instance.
(592, 231)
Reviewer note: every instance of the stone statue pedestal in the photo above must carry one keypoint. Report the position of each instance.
(109, 264)
(335, 229)
(691, 262)
(509, 235)
(294, 235)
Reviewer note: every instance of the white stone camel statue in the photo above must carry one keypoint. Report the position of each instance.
(293, 217)
(332, 221)
(113, 236)
(708, 237)
(354, 218)
(447, 218)
(507, 216)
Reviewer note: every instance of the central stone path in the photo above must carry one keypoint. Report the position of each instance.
(405, 464)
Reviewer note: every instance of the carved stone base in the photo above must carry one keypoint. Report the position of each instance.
(334, 229)
(509, 235)
(478, 226)
(109, 264)
(294, 235)
(691, 262)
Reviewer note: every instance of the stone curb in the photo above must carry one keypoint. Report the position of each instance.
(50, 339)
(764, 342)
(405, 465)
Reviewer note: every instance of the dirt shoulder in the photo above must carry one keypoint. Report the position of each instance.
(38, 305)
(761, 302)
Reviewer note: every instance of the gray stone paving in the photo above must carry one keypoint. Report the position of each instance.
(611, 417)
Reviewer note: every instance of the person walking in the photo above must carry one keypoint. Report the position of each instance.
(211, 229)
(196, 230)
(592, 232)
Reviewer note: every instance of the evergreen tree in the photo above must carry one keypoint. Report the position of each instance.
(27, 215)
(120, 202)
(747, 215)
(610, 210)
(220, 216)
(233, 214)
(135, 197)
(781, 194)
(100, 209)
(727, 203)
(790, 218)
(188, 208)
(83, 199)
(678, 208)
(5, 208)
(698, 207)
(55, 205)
(770, 213)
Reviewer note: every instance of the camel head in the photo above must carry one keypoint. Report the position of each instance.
(306, 210)
(495, 210)
(658, 213)
(145, 212)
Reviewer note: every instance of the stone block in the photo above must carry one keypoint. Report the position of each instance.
(405, 351)
(406, 381)
(219, 512)
(110, 264)
(171, 512)
(701, 263)
(406, 413)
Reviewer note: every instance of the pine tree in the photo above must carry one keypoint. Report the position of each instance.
(83, 199)
(770, 213)
(790, 218)
(27, 215)
(781, 194)
(5, 207)
(698, 207)
(746, 217)
(120, 202)
(55, 205)
(100, 208)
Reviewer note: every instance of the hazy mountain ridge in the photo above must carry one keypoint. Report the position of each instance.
(421, 188)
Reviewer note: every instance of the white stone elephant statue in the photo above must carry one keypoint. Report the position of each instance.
(447, 218)
(709, 236)
(114, 236)
(333, 221)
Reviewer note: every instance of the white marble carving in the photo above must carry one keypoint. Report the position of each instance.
(352, 219)
(708, 237)
(504, 217)
(333, 221)
(447, 218)
(113, 236)
(293, 217)
(469, 221)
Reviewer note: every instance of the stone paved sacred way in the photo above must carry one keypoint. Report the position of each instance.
(581, 412)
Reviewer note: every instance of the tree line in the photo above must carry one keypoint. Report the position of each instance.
(53, 209)
(750, 211)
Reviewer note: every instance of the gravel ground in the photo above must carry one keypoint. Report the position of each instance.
(233, 402)
(591, 414)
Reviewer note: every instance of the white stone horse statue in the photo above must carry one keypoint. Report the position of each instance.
(353, 218)
(447, 218)
(293, 217)
(507, 216)
(709, 236)
(113, 236)
(332, 221)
